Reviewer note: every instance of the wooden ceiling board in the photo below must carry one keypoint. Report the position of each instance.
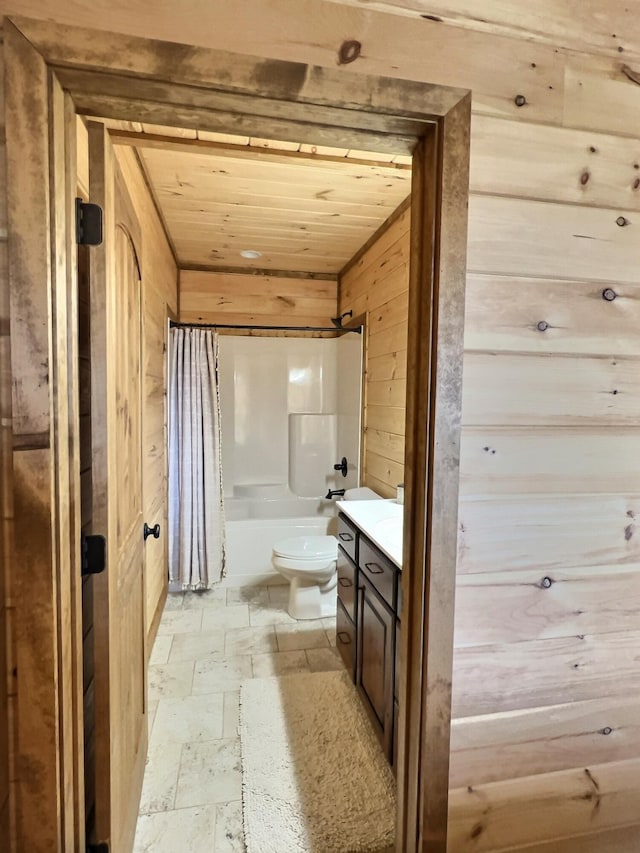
(302, 214)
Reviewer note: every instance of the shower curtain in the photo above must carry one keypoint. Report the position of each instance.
(196, 507)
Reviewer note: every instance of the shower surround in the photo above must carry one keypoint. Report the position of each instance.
(290, 410)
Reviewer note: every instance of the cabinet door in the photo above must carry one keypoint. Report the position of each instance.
(375, 662)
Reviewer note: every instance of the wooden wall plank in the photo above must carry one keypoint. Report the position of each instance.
(542, 740)
(527, 390)
(554, 164)
(503, 313)
(491, 678)
(210, 297)
(583, 461)
(549, 22)
(547, 532)
(599, 96)
(514, 606)
(532, 238)
(618, 840)
(551, 806)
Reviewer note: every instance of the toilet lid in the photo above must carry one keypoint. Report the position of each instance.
(307, 547)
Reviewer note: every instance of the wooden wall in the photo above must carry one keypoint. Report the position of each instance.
(209, 297)
(376, 285)
(546, 691)
(160, 301)
(7, 678)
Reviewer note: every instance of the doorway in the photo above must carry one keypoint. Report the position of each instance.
(433, 125)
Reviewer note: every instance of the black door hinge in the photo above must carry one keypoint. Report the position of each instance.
(94, 555)
(88, 223)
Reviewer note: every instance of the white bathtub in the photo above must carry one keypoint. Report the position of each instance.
(260, 516)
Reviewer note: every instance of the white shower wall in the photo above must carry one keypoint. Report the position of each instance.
(265, 384)
(290, 410)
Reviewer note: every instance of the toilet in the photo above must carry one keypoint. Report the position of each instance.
(309, 564)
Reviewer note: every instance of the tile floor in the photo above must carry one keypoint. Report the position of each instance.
(207, 644)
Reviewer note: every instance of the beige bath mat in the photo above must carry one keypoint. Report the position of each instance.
(314, 777)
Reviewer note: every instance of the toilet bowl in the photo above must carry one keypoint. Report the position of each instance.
(309, 564)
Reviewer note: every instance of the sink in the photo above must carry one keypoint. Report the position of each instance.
(381, 521)
(388, 534)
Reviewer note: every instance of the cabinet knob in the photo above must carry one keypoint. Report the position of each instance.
(374, 568)
(344, 638)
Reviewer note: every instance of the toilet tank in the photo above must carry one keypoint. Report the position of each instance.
(312, 454)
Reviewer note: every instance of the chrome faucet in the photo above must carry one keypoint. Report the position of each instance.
(333, 492)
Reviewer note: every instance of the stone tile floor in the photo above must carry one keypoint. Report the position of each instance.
(207, 644)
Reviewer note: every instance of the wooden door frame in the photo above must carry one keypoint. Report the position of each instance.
(118, 76)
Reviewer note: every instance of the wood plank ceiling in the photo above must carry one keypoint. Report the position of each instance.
(304, 209)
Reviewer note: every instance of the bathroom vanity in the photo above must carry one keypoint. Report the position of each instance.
(369, 608)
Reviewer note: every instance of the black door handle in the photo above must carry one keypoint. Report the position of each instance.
(151, 531)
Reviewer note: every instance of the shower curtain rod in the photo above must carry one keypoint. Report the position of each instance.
(174, 325)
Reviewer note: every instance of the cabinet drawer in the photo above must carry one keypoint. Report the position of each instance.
(347, 583)
(347, 533)
(378, 570)
(346, 640)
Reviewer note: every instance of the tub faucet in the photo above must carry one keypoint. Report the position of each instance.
(333, 492)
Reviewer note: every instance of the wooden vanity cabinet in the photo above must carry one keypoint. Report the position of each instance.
(367, 627)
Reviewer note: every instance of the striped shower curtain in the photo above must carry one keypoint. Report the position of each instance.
(196, 507)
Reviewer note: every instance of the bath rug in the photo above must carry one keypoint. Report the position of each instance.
(314, 777)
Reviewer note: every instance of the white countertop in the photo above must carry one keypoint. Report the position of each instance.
(381, 522)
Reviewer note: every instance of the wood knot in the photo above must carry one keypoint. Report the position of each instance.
(593, 149)
(477, 830)
(606, 730)
(542, 326)
(349, 52)
(432, 18)
(546, 582)
(621, 221)
(584, 178)
(519, 100)
(629, 531)
(636, 184)
(609, 294)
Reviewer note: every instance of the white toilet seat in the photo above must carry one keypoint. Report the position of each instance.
(306, 548)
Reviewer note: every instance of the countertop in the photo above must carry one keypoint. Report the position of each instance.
(381, 522)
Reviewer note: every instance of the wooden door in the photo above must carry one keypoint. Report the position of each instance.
(374, 667)
(116, 415)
